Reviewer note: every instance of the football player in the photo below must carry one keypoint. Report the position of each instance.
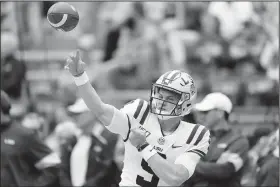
(160, 149)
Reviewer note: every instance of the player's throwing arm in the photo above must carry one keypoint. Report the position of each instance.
(76, 67)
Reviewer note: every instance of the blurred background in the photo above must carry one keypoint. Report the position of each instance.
(228, 47)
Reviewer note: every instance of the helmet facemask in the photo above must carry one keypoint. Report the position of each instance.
(181, 106)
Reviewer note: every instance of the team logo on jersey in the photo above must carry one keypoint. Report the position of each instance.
(161, 140)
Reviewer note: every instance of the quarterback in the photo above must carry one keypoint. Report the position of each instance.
(160, 149)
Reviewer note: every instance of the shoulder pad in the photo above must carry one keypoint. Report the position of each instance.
(137, 108)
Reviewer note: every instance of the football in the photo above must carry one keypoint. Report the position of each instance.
(63, 16)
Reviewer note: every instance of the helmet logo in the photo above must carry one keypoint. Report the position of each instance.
(192, 89)
(184, 82)
(167, 81)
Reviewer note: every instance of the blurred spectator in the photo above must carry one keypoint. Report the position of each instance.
(232, 26)
(88, 157)
(111, 17)
(137, 51)
(46, 106)
(63, 132)
(269, 59)
(263, 166)
(231, 17)
(8, 17)
(257, 135)
(186, 30)
(222, 166)
(13, 75)
(35, 123)
(25, 159)
(131, 48)
(12, 70)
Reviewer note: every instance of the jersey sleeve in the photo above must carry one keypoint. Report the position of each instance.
(200, 141)
(125, 118)
(236, 154)
(40, 154)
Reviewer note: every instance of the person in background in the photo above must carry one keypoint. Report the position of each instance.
(25, 159)
(222, 166)
(36, 123)
(87, 157)
(268, 171)
(63, 132)
(258, 133)
(135, 50)
(13, 70)
(263, 165)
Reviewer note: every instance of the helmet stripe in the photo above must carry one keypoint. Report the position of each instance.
(171, 74)
(166, 75)
(174, 75)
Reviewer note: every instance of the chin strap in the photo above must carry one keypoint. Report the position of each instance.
(161, 117)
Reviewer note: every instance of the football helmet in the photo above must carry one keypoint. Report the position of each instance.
(179, 84)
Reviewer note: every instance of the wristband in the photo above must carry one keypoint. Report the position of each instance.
(143, 146)
(81, 80)
(148, 152)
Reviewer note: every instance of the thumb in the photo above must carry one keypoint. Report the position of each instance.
(83, 65)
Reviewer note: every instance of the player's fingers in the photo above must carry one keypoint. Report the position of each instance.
(73, 56)
(78, 57)
(74, 59)
(138, 131)
(68, 61)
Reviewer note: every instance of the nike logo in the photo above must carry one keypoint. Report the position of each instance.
(176, 146)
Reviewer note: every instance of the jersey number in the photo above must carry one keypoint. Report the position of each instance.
(154, 182)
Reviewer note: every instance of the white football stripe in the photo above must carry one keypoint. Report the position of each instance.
(63, 20)
(172, 73)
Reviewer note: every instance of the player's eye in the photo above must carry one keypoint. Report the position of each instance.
(160, 96)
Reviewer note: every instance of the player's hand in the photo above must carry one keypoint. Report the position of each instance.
(74, 64)
(137, 137)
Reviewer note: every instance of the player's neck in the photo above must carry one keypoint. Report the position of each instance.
(169, 125)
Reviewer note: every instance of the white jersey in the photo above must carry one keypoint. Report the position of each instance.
(187, 137)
